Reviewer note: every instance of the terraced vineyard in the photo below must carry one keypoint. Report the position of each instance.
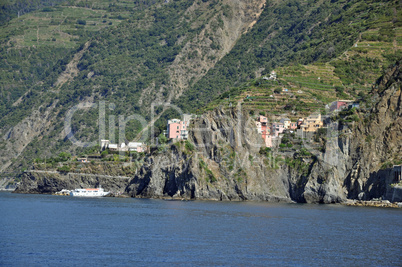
(303, 89)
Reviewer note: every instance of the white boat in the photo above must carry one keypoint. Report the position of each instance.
(89, 192)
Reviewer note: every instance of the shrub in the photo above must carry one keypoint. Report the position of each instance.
(64, 169)
(105, 153)
(82, 22)
(64, 156)
(386, 165)
(264, 150)
(304, 152)
(162, 139)
(189, 146)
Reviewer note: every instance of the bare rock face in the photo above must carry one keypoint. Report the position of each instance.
(351, 166)
(223, 165)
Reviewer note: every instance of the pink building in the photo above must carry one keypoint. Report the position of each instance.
(339, 105)
(263, 120)
(264, 130)
(268, 140)
(293, 126)
(277, 128)
(177, 129)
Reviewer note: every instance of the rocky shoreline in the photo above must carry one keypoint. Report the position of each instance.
(373, 203)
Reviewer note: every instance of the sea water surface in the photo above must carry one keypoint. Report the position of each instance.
(43, 230)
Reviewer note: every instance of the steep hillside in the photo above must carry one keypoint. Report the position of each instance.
(129, 54)
(126, 56)
(305, 32)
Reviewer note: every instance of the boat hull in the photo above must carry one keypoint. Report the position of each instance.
(89, 192)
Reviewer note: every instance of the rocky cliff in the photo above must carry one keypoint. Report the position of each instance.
(222, 160)
(48, 182)
(353, 163)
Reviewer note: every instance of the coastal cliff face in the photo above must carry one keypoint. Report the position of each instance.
(377, 140)
(222, 160)
(48, 182)
(352, 165)
(223, 164)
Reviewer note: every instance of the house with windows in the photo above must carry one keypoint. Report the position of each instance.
(340, 105)
(277, 128)
(264, 129)
(131, 146)
(177, 129)
(312, 123)
(286, 123)
(113, 147)
(293, 126)
(136, 147)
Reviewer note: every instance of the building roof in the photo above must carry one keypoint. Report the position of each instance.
(134, 144)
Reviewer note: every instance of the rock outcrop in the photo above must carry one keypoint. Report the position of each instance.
(49, 182)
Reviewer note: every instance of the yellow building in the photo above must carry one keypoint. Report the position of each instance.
(312, 123)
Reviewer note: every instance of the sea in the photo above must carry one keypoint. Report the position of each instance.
(46, 230)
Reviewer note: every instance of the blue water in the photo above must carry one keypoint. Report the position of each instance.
(43, 230)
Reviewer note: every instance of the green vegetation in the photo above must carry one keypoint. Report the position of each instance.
(288, 32)
(298, 164)
(189, 146)
(124, 52)
(210, 177)
(64, 168)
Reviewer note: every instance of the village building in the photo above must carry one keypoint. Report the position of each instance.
(104, 144)
(340, 105)
(263, 120)
(177, 129)
(293, 126)
(83, 160)
(299, 122)
(113, 147)
(123, 147)
(272, 75)
(277, 128)
(264, 130)
(268, 140)
(136, 147)
(312, 123)
(286, 123)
